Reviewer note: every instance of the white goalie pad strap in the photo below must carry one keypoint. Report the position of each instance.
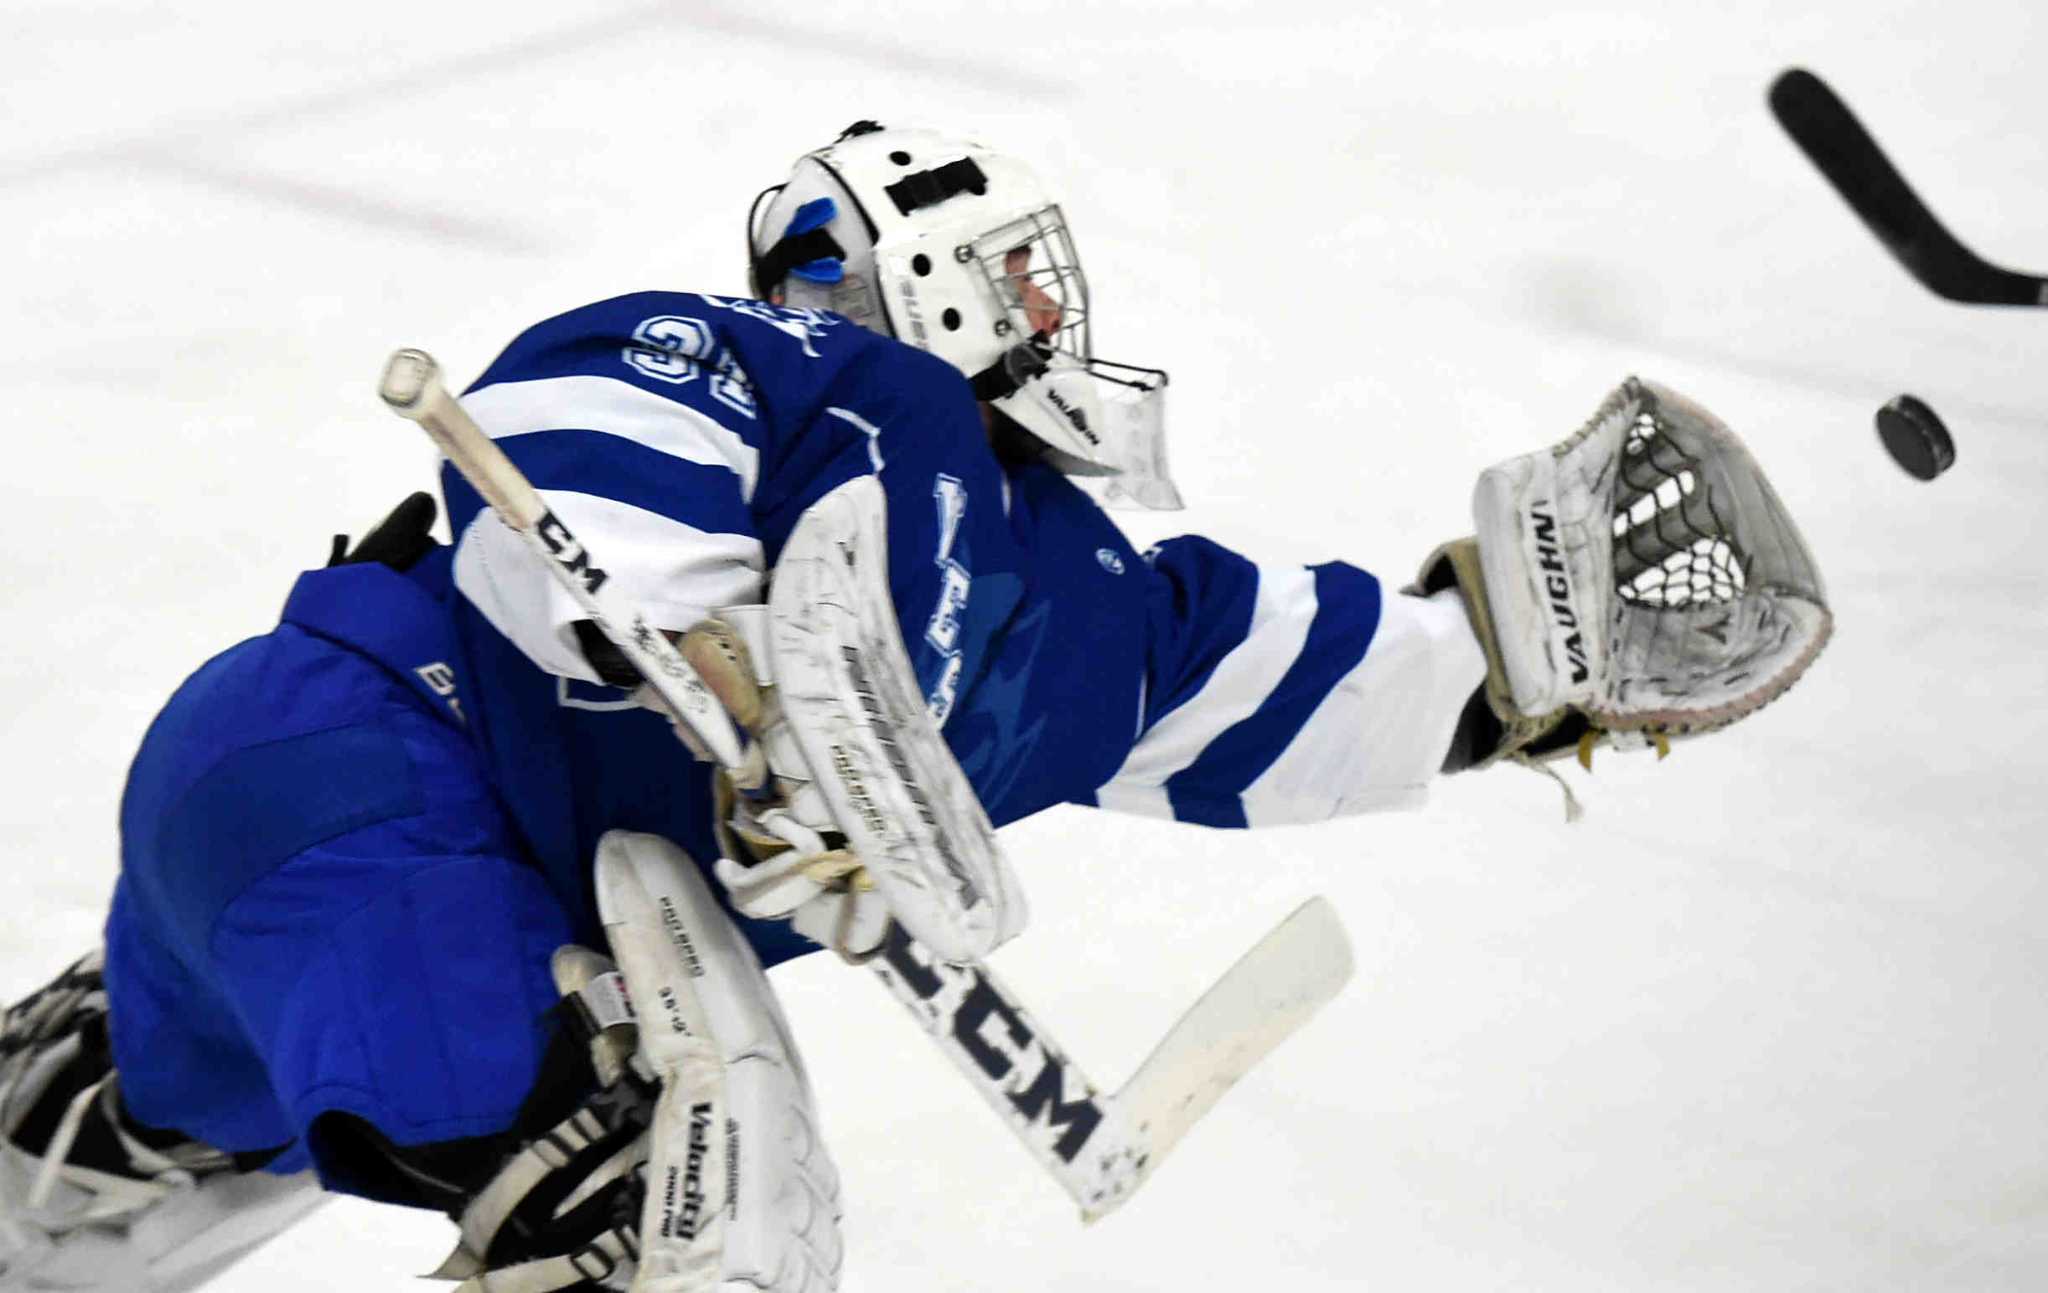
(601, 997)
(1645, 572)
(605, 1262)
(740, 1189)
(486, 1214)
(852, 700)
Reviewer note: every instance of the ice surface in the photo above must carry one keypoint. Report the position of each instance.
(1772, 1018)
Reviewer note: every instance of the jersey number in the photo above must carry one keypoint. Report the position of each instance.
(674, 349)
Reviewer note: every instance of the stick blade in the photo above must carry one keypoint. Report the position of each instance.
(1275, 988)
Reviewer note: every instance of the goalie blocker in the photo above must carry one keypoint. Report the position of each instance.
(1636, 583)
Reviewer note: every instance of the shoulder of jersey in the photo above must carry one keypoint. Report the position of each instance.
(640, 329)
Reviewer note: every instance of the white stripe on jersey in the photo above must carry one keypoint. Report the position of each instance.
(1282, 611)
(677, 573)
(1379, 737)
(616, 408)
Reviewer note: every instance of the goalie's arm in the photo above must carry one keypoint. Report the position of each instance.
(1278, 694)
(1638, 583)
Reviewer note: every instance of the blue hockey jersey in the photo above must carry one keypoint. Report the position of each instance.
(350, 845)
(682, 436)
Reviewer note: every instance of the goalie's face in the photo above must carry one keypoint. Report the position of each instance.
(1027, 296)
(1041, 312)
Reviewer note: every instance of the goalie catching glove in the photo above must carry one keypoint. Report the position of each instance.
(1637, 583)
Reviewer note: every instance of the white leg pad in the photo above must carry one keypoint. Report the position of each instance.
(173, 1243)
(741, 1192)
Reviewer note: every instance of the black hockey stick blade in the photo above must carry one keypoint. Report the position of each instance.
(1836, 142)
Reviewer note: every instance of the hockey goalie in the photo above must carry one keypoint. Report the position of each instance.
(422, 900)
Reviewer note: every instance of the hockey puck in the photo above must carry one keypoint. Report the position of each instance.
(1915, 438)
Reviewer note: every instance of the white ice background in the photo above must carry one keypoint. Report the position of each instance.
(1771, 1018)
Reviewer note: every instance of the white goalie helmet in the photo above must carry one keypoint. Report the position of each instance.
(959, 250)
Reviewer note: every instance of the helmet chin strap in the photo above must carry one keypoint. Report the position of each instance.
(1011, 369)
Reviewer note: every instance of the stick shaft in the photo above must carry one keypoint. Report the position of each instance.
(413, 388)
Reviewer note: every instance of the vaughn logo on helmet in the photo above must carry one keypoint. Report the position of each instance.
(1074, 414)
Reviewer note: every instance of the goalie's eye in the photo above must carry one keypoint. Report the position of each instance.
(1041, 312)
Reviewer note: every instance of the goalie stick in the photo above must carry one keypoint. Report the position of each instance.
(1100, 1147)
(1837, 143)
